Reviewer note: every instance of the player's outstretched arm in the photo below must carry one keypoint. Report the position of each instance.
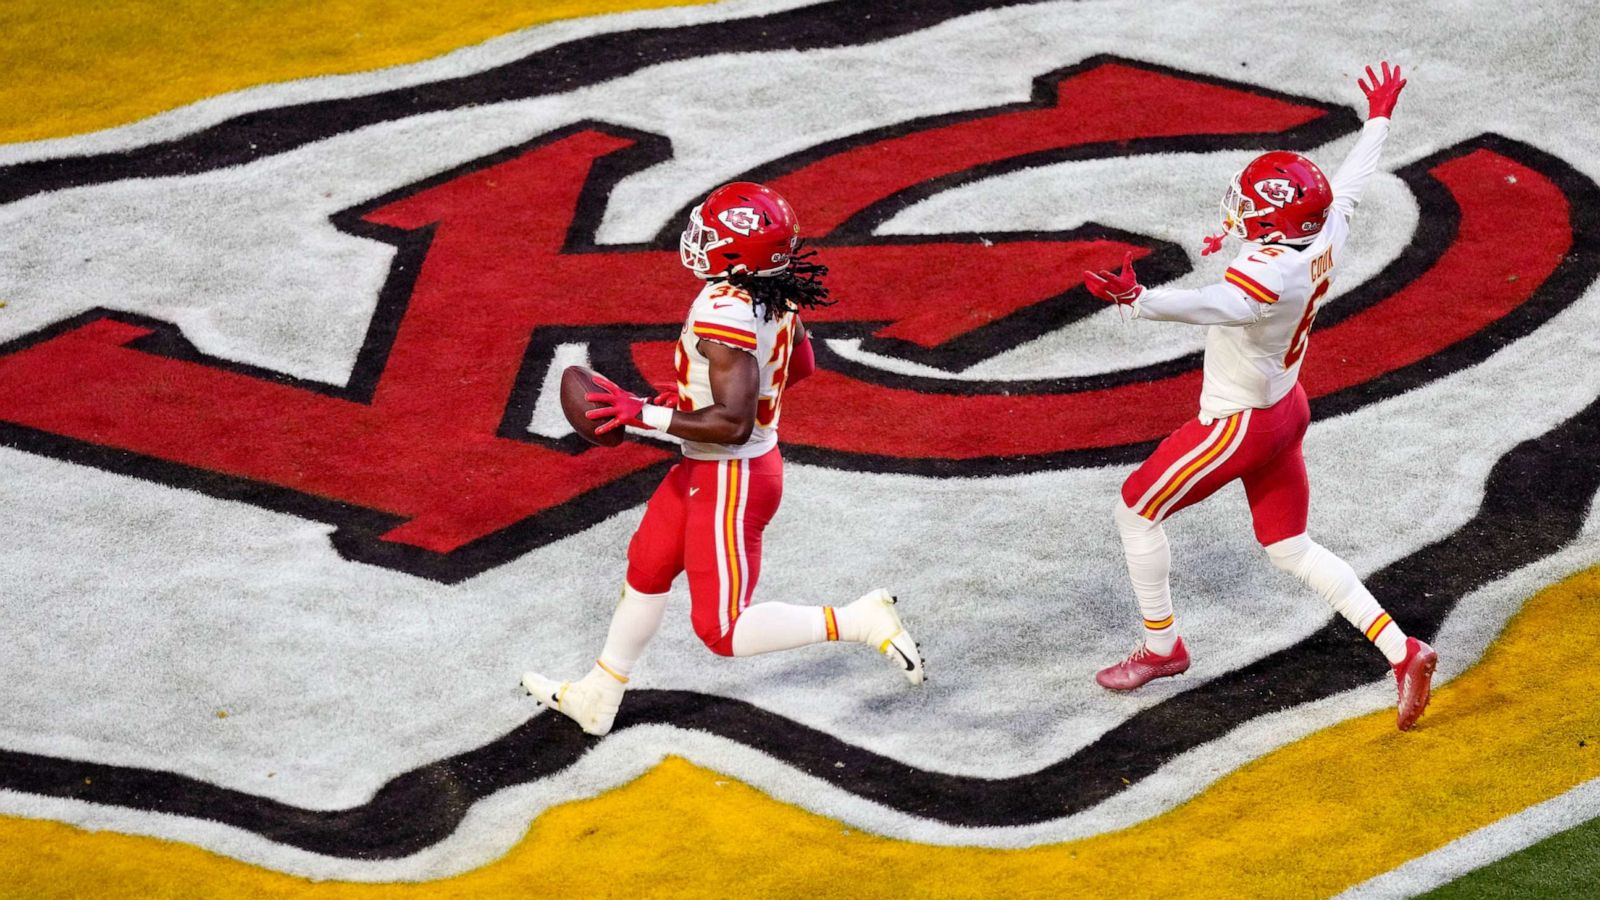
(1219, 304)
(1383, 91)
(1119, 288)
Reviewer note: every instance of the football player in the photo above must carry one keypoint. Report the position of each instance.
(741, 346)
(1253, 412)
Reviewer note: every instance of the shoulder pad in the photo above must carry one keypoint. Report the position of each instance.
(724, 313)
(1255, 274)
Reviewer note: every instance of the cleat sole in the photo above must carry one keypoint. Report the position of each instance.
(1419, 704)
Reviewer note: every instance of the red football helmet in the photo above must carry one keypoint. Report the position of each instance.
(1279, 198)
(741, 227)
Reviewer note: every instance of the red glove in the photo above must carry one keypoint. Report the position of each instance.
(1121, 288)
(624, 408)
(803, 361)
(1381, 93)
(667, 397)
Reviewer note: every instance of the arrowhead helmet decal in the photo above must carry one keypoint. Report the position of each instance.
(742, 219)
(1277, 191)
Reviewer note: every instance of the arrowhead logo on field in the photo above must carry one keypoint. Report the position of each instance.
(424, 460)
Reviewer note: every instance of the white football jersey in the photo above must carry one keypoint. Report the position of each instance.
(724, 314)
(1262, 312)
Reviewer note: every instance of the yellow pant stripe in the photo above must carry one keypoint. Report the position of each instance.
(1179, 480)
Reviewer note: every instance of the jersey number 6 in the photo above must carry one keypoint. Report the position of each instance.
(1302, 332)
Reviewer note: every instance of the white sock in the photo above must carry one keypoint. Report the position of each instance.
(1144, 543)
(1333, 578)
(635, 622)
(767, 627)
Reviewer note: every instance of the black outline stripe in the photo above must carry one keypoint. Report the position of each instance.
(1513, 527)
(559, 69)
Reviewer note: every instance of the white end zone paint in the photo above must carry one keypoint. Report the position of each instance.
(165, 583)
(548, 419)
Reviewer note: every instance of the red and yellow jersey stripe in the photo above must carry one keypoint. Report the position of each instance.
(1250, 286)
(727, 334)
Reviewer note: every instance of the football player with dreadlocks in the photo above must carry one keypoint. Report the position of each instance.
(741, 346)
(1253, 412)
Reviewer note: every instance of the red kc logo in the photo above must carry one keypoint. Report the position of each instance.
(424, 460)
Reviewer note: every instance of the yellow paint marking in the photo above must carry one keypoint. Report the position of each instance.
(1305, 820)
(77, 67)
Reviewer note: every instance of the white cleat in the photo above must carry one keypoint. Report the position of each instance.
(886, 633)
(591, 701)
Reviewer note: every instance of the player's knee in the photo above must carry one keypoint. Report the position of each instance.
(716, 640)
(707, 618)
(1315, 565)
(1127, 519)
(649, 572)
(1292, 554)
(649, 579)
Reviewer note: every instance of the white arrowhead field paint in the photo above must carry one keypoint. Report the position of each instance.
(204, 604)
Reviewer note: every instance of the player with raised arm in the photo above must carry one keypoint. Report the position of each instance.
(741, 346)
(1253, 412)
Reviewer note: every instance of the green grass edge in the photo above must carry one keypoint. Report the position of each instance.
(1560, 866)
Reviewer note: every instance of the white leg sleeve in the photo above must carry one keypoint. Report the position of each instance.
(1144, 543)
(766, 627)
(635, 622)
(1336, 582)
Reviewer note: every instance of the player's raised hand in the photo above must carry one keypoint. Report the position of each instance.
(623, 408)
(1382, 92)
(1121, 288)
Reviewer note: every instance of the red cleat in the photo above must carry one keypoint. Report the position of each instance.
(1143, 666)
(1413, 678)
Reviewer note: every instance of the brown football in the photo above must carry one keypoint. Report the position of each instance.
(577, 382)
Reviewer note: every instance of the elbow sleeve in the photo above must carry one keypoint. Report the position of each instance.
(803, 361)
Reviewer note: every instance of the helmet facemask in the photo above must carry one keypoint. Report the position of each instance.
(1236, 207)
(697, 242)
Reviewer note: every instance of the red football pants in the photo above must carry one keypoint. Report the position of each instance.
(1259, 446)
(706, 518)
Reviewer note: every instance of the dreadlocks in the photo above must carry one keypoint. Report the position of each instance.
(795, 288)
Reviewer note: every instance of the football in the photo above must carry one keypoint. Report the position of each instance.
(577, 382)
